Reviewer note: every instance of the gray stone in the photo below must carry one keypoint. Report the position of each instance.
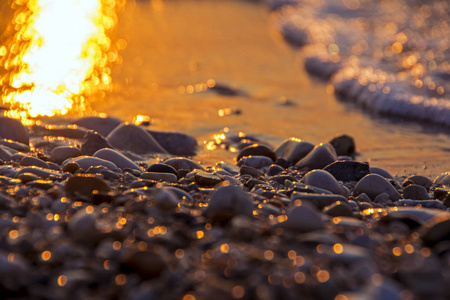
(339, 209)
(344, 145)
(257, 150)
(175, 143)
(415, 192)
(61, 153)
(293, 149)
(5, 155)
(318, 200)
(348, 170)
(323, 179)
(94, 142)
(181, 163)
(33, 161)
(321, 156)
(303, 218)
(15, 145)
(13, 129)
(443, 179)
(86, 162)
(117, 158)
(228, 202)
(257, 162)
(381, 172)
(41, 172)
(421, 180)
(207, 179)
(373, 185)
(133, 138)
(99, 124)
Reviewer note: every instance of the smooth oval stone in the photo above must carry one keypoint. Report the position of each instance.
(228, 202)
(292, 150)
(133, 138)
(5, 155)
(373, 185)
(27, 177)
(61, 153)
(162, 168)
(303, 218)
(421, 180)
(13, 129)
(85, 185)
(181, 163)
(6, 201)
(274, 170)
(94, 142)
(422, 203)
(168, 177)
(318, 200)
(257, 150)
(344, 145)
(33, 161)
(41, 172)
(348, 170)
(436, 229)
(415, 192)
(381, 172)
(175, 143)
(323, 179)
(247, 170)
(233, 170)
(165, 199)
(102, 125)
(71, 167)
(257, 162)
(321, 156)
(181, 194)
(339, 209)
(117, 158)
(443, 179)
(86, 162)
(15, 145)
(207, 179)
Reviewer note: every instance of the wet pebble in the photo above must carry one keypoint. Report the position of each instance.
(175, 143)
(257, 162)
(93, 142)
(27, 161)
(86, 162)
(13, 129)
(159, 176)
(321, 156)
(293, 149)
(162, 168)
(207, 179)
(85, 185)
(348, 170)
(228, 202)
(61, 153)
(415, 192)
(323, 179)
(257, 150)
(373, 185)
(181, 163)
(117, 158)
(14, 145)
(303, 218)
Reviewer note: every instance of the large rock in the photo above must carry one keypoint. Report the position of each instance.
(293, 149)
(175, 143)
(14, 130)
(133, 138)
(373, 185)
(321, 156)
(101, 125)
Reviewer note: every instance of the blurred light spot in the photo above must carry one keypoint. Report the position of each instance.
(62, 280)
(46, 255)
(238, 291)
(224, 248)
(323, 276)
(338, 248)
(121, 279)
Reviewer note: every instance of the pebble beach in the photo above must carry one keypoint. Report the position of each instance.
(100, 209)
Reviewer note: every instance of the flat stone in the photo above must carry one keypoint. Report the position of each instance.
(41, 172)
(344, 145)
(85, 185)
(422, 203)
(257, 150)
(207, 179)
(292, 150)
(102, 125)
(421, 180)
(33, 161)
(86, 162)
(162, 168)
(373, 185)
(157, 176)
(15, 145)
(320, 201)
(321, 156)
(181, 163)
(257, 162)
(176, 143)
(59, 130)
(117, 158)
(247, 170)
(228, 202)
(415, 192)
(61, 153)
(323, 179)
(5, 155)
(303, 218)
(348, 170)
(94, 142)
(135, 139)
(13, 129)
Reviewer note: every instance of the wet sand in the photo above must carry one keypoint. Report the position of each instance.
(181, 43)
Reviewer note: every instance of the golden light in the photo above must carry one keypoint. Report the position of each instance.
(57, 56)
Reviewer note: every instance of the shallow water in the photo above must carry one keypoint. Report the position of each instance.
(173, 44)
(175, 47)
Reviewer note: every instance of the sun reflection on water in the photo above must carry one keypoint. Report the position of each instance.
(56, 54)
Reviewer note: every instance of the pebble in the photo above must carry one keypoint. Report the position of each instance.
(348, 170)
(321, 156)
(86, 162)
(415, 192)
(373, 185)
(13, 129)
(421, 180)
(133, 138)
(443, 179)
(257, 162)
(33, 161)
(61, 153)
(257, 150)
(203, 178)
(159, 176)
(162, 168)
(303, 218)
(165, 199)
(85, 185)
(381, 172)
(181, 163)
(40, 172)
(117, 158)
(274, 170)
(344, 145)
(176, 143)
(292, 150)
(436, 229)
(83, 226)
(93, 142)
(14, 145)
(323, 179)
(318, 200)
(339, 209)
(423, 203)
(229, 201)
(5, 155)
(102, 125)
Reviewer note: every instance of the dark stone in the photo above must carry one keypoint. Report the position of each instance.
(344, 145)
(415, 192)
(181, 163)
(94, 142)
(101, 125)
(348, 170)
(175, 143)
(207, 179)
(250, 171)
(257, 150)
(162, 168)
(13, 129)
(274, 170)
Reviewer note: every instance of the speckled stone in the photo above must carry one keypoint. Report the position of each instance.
(373, 185)
(321, 156)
